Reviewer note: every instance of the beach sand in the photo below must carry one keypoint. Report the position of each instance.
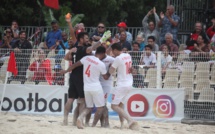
(14, 123)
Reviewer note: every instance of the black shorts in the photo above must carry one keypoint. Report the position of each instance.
(76, 87)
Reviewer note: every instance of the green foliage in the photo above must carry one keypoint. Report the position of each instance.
(91, 12)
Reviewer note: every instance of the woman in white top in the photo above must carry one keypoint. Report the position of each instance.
(166, 59)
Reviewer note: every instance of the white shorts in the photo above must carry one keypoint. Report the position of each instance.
(106, 90)
(94, 98)
(119, 94)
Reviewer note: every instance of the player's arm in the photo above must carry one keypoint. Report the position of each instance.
(75, 65)
(105, 36)
(68, 56)
(106, 76)
(111, 70)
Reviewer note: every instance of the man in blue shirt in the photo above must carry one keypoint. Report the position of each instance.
(169, 23)
(53, 36)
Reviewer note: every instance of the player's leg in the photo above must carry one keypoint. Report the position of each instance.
(106, 117)
(71, 95)
(120, 117)
(106, 90)
(87, 119)
(67, 108)
(118, 95)
(99, 103)
(82, 114)
(75, 115)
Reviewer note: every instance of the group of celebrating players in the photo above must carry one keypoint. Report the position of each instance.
(91, 80)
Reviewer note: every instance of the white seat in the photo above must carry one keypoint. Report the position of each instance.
(171, 83)
(206, 95)
(171, 73)
(201, 84)
(151, 72)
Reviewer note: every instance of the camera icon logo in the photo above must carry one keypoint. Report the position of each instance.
(164, 107)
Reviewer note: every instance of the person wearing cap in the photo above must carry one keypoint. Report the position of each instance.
(122, 27)
(58, 78)
(151, 29)
(53, 36)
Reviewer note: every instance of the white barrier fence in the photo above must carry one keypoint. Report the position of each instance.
(195, 72)
(145, 104)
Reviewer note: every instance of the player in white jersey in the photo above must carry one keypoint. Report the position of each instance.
(106, 86)
(123, 65)
(93, 68)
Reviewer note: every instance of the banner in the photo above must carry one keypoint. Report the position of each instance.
(155, 104)
(145, 104)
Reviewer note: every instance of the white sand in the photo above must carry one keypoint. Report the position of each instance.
(11, 123)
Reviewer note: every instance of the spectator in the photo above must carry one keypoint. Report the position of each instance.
(22, 48)
(15, 29)
(41, 68)
(58, 79)
(169, 42)
(166, 59)
(148, 58)
(135, 54)
(61, 46)
(169, 23)
(151, 29)
(123, 42)
(211, 30)
(140, 40)
(99, 32)
(191, 40)
(8, 39)
(151, 42)
(53, 36)
(124, 49)
(122, 28)
(201, 49)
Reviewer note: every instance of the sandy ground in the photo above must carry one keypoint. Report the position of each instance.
(11, 123)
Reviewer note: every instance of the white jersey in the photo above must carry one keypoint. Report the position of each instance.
(107, 61)
(123, 64)
(93, 68)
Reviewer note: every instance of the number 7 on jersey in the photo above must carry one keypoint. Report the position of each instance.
(128, 66)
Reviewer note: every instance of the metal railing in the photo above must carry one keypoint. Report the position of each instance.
(195, 72)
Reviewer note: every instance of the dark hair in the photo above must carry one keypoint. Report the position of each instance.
(100, 50)
(168, 47)
(101, 23)
(136, 44)
(14, 21)
(81, 35)
(116, 46)
(151, 37)
(149, 46)
(22, 31)
(204, 38)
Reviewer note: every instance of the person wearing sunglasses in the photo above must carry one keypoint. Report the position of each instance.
(7, 39)
(99, 32)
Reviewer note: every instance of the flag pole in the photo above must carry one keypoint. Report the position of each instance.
(2, 98)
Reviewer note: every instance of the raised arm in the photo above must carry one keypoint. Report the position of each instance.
(71, 29)
(161, 20)
(157, 20)
(105, 36)
(145, 19)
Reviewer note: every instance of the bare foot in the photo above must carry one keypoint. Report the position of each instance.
(87, 124)
(133, 125)
(106, 125)
(65, 121)
(79, 124)
(122, 125)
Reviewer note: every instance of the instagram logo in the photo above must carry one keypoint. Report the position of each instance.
(164, 107)
(137, 105)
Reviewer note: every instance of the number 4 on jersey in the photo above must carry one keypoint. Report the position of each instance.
(87, 72)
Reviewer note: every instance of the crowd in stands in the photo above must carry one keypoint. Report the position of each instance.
(158, 35)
